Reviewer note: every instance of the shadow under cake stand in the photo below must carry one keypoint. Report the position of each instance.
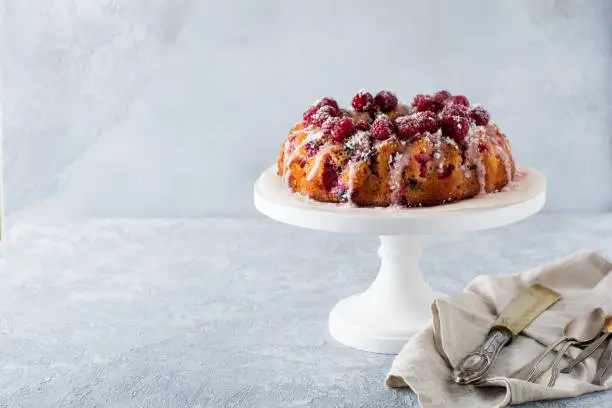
(398, 303)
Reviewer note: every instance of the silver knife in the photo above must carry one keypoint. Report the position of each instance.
(519, 313)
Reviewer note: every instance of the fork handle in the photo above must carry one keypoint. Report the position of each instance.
(603, 364)
(590, 349)
(554, 371)
(536, 366)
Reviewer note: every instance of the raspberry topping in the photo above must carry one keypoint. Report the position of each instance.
(386, 100)
(324, 113)
(315, 114)
(310, 112)
(460, 100)
(363, 101)
(326, 101)
(342, 130)
(407, 127)
(455, 110)
(442, 96)
(479, 115)
(428, 114)
(382, 128)
(455, 127)
(328, 125)
(426, 103)
(427, 122)
(363, 125)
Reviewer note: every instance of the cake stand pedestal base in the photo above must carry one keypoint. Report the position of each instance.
(395, 306)
(398, 303)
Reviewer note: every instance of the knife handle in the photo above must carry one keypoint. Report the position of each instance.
(474, 366)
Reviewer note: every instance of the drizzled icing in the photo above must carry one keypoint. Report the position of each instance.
(353, 167)
(399, 163)
(436, 141)
(291, 153)
(475, 157)
(496, 140)
(319, 159)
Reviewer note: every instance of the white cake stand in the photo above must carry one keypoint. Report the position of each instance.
(397, 304)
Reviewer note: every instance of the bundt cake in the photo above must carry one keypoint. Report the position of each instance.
(382, 153)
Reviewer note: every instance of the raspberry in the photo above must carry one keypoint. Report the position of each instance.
(442, 96)
(479, 115)
(342, 130)
(460, 100)
(427, 122)
(328, 125)
(330, 175)
(407, 127)
(326, 101)
(426, 103)
(363, 125)
(310, 112)
(455, 110)
(324, 113)
(455, 127)
(386, 100)
(311, 115)
(422, 161)
(312, 148)
(446, 171)
(363, 101)
(382, 128)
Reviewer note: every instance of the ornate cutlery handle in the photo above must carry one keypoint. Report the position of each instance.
(554, 371)
(590, 349)
(603, 364)
(536, 365)
(474, 366)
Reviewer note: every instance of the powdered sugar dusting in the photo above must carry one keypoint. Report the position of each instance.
(360, 139)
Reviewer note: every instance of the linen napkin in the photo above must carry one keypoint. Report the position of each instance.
(460, 323)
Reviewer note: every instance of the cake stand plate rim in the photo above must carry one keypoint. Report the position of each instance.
(526, 198)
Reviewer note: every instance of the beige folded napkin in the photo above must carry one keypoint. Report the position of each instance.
(461, 323)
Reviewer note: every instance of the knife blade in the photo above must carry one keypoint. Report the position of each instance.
(513, 319)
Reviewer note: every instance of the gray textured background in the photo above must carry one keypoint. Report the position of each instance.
(173, 107)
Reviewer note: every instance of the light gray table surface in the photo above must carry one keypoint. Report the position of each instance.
(222, 312)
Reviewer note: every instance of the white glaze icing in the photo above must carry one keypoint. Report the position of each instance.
(319, 159)
(396, 174)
